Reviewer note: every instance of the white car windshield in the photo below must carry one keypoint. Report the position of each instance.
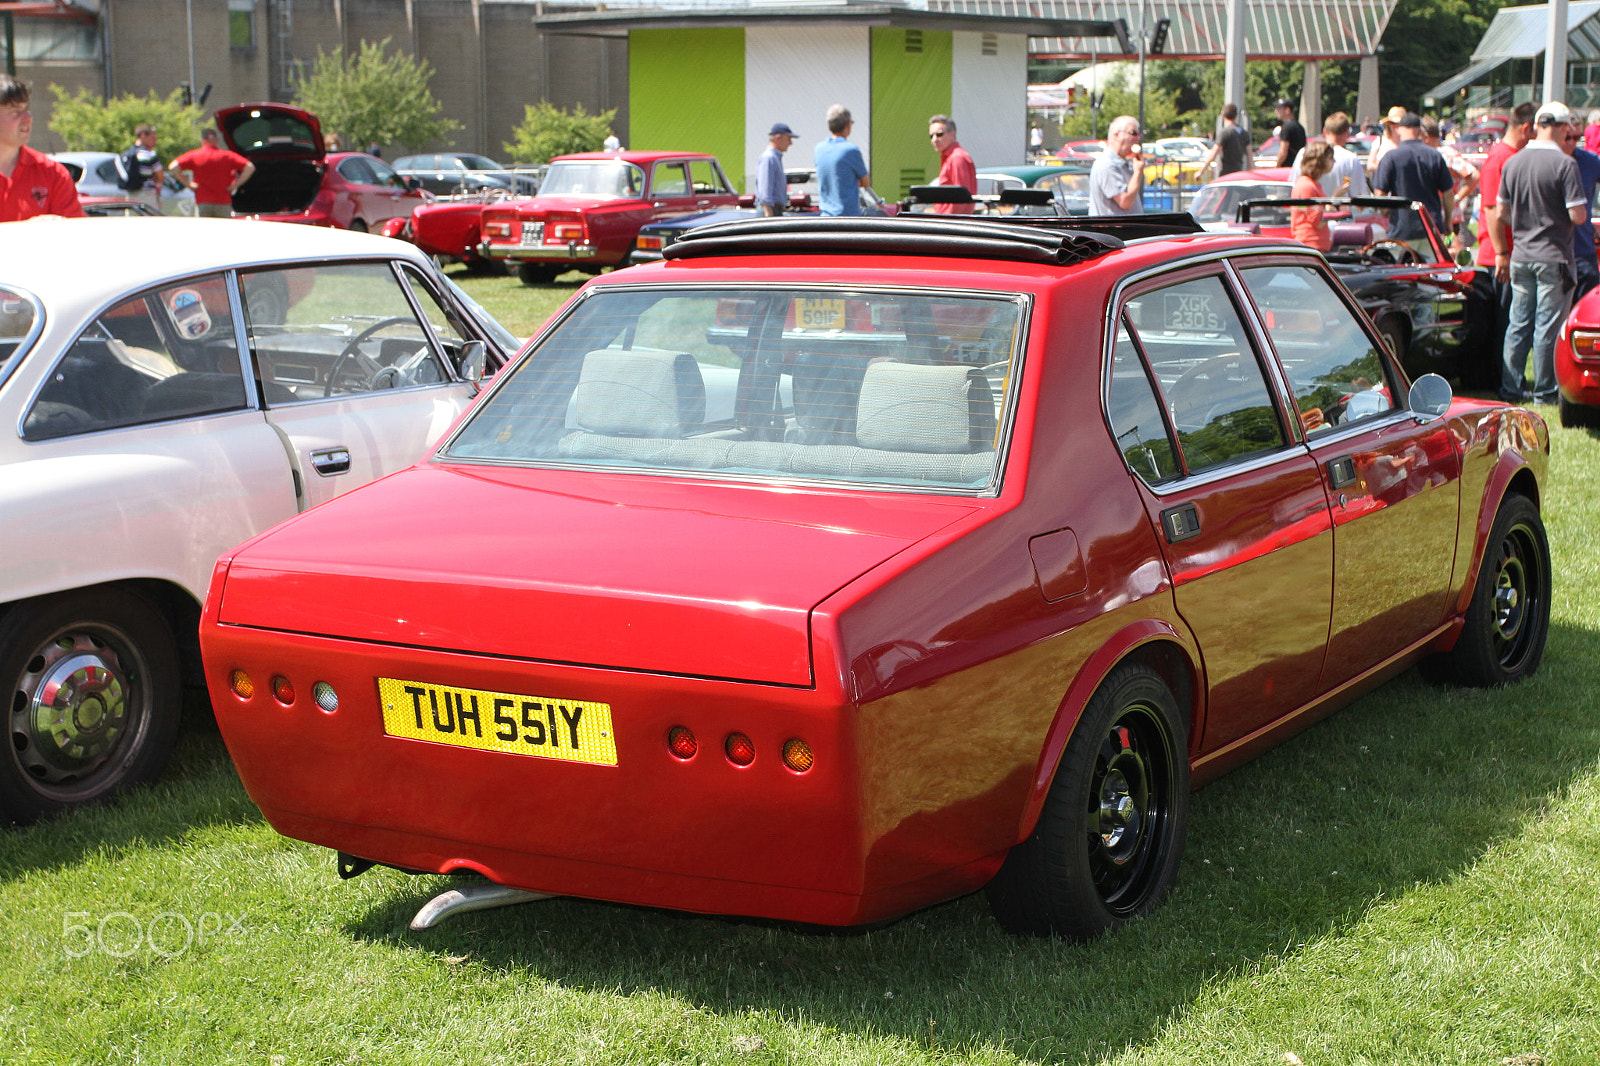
(1218, 201)
(607, 177)
(887, 389)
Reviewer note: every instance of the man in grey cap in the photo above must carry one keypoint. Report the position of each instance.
(1539, 200)
(772, 191)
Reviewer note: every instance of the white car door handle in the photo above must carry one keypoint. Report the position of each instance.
(331, 461)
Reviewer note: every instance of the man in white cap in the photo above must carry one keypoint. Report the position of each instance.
(1539, 200)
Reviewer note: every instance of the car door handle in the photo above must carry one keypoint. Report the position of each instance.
(1180, 522)
(331, 461)
(1342, 472)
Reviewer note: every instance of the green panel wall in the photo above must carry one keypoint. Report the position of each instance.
(910, 82)
(686, 93)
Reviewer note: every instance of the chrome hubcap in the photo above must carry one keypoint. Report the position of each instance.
(71, 708)
(1508, 586)
(1120, 817)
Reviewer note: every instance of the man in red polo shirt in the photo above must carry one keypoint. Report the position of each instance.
(31, 184)
(214, 174)
(1518, 132)
(955, 165)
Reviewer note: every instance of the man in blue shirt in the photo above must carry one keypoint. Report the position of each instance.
(1583, 247)
(772, 190)
(841, 170)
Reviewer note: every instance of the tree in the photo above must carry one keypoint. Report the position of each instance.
(88, 123)
(375, 97)
(547, 131)
(1160, 110)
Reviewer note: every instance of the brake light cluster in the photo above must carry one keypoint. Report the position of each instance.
(738, 749)
(499, 227)
(1586, 345)
(282, 689)
(648, 244)
(564, 229)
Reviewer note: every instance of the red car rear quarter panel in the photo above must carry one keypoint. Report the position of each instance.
(959, 661)
(606, 570)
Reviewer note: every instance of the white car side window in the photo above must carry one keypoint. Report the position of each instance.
(339, 329)
(167, 353)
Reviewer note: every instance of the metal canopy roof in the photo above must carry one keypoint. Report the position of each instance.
(616, 19)
(1519, 33)
(1276, 29)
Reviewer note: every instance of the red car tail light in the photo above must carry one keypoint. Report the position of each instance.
(741, 750)
(681, 742)
(648, 244)
(1585, 345)
(497, 227)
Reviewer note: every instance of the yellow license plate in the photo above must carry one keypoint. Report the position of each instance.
(818, 314)
(544, 727)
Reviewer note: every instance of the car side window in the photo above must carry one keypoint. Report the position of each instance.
(383, 173)
(339, 329)
(671, 179)
(705, 179)
(355, 170)
(164, 354)
(1337, 372)
(1200, 351)
(1135, 413)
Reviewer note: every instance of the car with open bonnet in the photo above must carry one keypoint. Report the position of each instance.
(834, 567)
(186, 386)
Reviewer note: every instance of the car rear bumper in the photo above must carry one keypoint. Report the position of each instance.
(700, 834)
(554, 253)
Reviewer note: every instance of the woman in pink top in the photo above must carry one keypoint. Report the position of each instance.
(1306, 224)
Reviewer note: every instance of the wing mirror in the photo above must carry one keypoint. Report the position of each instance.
(474, 359)
(1430, 397)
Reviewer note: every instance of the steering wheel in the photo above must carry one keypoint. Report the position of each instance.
(353, 348)
(1393, 250)
(1202, 386)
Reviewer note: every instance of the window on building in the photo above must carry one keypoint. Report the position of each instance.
(241, 23)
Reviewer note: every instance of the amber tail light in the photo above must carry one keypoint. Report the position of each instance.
(649, 244)
(797, 755)
(559, 230)
(242, 686)
(1585, 345)
(497, 228)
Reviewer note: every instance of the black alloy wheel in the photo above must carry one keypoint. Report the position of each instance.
(1109, 839)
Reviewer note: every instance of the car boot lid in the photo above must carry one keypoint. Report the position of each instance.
(613, 571)
(272, 131)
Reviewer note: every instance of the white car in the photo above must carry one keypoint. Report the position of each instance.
(95, 174)
(187, 385)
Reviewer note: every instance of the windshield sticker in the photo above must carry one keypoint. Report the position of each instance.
(188, 313)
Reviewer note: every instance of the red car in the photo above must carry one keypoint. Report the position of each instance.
(834, 567)
(296, 180)
(1578, 364)
(590, 207)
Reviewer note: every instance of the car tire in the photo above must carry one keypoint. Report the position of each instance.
(535, 274)
(1394, 335)
(109, 660)
(1575, 415)
(1126, 766)
(1508, 619)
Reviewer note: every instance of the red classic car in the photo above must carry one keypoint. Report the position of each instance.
(296, 180)
(590, 207)
(1578, 364)
(835, 567)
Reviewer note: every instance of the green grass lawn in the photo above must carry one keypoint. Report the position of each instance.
(1414, 880)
